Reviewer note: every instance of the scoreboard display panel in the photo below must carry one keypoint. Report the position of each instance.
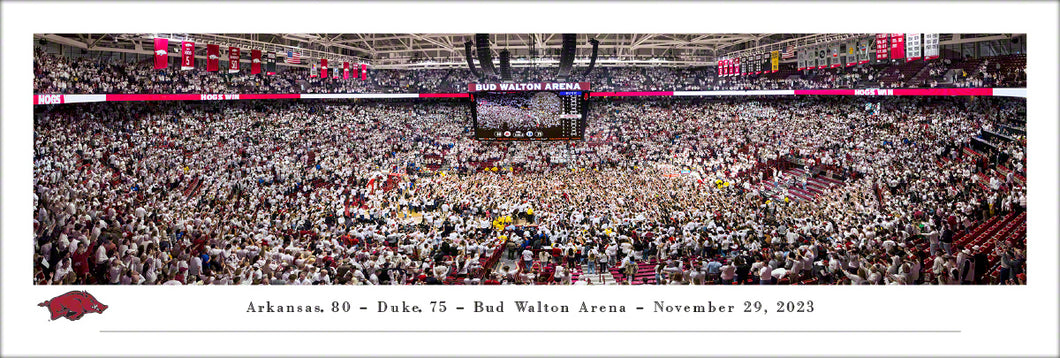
(530, 111)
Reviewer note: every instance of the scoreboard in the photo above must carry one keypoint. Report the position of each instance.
(529, 111)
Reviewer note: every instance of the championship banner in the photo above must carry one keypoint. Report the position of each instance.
(187, 55)
(335, 73)
(774, 61)
(811, 58)
(912, 47)
(255, 62)
(364, 71)
(161, 53)
(863, 50)
(233, 59)
(852, 53)
(897, 46)
(270, 63)
(719, 65)
(323, 68)
(833, 60)
(931, 46)
(739, 70)
(313, 72)
(213, 57)
(345, 70)
(881, 47)
(536, 86)
(800, 59)
(820, 60)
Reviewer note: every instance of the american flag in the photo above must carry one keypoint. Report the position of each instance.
(789, 52)
(293, 57)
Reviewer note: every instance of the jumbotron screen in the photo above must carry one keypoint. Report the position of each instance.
(530, 111)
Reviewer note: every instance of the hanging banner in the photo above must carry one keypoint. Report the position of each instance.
(323, 68)
(931, 46)
(335, 73)
(161, 53)
(270, 63)
(851, 53)
(863, 50)
(345, 70)
(364, 71)
(897, 46)
(912, 47)
(233, 59)
(313, 72)
(822, 57)
(833, 59)
(213, 57)
(774, 61)
(255, 62)
(720, 65)
(187, 55)
(882, 47)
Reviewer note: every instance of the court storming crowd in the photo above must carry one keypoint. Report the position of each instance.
(397, 192)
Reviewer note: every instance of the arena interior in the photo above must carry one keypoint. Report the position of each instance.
(706, 159)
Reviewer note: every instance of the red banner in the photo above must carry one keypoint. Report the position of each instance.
(345, 70)
(213, 57)
(323, 68)
(161, 53)
(364, 71)
(897, 46)
(233, 59)
(543, 86)
(187, 55)
(881, 46)
(255, 62)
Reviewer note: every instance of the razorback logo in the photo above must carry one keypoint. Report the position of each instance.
(161, 52)
(256, 61)
(214, 57)
(73, 305)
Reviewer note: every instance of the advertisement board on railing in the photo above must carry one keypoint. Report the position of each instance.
(51, 99)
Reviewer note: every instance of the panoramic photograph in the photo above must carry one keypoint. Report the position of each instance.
(529, 159)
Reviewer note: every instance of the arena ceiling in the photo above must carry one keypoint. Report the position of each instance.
(447, 50)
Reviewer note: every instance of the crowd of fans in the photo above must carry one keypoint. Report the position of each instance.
(398, 192)
(95, 75)
(518, 110)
